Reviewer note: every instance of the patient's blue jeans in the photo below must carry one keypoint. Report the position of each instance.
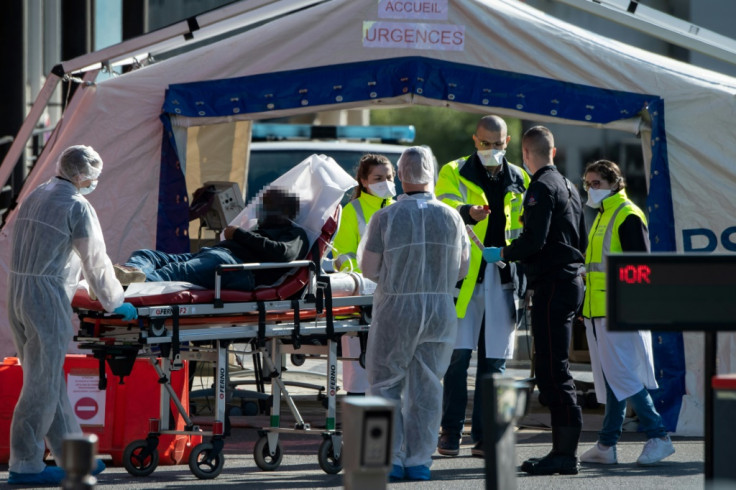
(650, 422)
(197, 268)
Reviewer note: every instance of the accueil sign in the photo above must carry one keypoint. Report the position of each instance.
(416, 35)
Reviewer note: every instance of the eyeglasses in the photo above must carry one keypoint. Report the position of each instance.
(593, 184)
(488, 144)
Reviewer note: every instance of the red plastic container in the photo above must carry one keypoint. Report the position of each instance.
(118, 416)
(11, 380)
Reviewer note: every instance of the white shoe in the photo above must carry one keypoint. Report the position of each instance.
(655, 450)
(598, 455)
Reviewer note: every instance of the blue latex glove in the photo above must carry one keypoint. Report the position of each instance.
(128, 311)
(492, 254)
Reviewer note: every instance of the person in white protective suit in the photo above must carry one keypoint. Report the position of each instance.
(416, 250)
(56, 233)
(375, 190)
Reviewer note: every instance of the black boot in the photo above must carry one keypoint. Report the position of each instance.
(563, 457)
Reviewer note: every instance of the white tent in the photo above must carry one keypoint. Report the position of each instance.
(484, 56)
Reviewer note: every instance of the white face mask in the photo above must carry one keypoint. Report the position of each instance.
(491, 158)
(86, 190)
(596, 196)
(383, 189)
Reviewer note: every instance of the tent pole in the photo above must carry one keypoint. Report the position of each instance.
(24, 134)
(87, 80)
(123, 49)
(176, 35)
(660, 25)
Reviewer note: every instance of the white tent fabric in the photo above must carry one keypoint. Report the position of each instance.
(120, 116)
(319, 183)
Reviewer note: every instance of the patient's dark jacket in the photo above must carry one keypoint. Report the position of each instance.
(268, 243)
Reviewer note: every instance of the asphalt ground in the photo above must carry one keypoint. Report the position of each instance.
(299, 467)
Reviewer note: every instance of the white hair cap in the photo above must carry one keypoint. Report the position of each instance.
(416, 166)
(79, 163)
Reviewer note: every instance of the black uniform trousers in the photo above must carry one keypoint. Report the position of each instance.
(554, 305)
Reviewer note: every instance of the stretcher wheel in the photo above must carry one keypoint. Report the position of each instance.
(326, 457)
(298, 359)
(204, 463)
(262, 455)
(135, 462)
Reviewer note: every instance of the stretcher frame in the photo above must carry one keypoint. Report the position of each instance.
(161, 332)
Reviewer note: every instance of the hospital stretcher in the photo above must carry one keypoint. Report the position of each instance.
(200, 325)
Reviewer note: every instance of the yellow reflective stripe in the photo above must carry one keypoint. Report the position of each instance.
(453, 197)
(513, 234)
(360, 216)
(460, 185)
(463, 190)
(606, 249)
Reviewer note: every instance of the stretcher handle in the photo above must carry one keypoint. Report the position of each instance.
(263, 265)
(256, 266)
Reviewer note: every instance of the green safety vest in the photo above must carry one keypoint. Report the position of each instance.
(602, 241)
(353, 223)
(456, 191)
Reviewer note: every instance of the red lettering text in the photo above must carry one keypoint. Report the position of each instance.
(634, 274)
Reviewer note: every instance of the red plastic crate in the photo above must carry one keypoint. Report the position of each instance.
(126, 412)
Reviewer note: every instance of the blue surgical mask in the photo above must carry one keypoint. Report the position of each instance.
(527, 168)
(86, 190)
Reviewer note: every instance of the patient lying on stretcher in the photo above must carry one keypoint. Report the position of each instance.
(274, 239)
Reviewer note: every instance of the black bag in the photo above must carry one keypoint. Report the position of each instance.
(202, 201)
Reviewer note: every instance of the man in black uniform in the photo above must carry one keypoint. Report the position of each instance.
(552, 248)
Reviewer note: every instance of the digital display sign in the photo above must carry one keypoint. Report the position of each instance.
(663, 291)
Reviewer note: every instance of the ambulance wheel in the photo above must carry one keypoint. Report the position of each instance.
(135, 463)
(263, 457)
(204, 463)
(326, 457)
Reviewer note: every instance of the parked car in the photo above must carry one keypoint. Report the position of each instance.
(271, 159)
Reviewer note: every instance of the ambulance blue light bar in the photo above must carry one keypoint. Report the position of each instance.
(275, 131)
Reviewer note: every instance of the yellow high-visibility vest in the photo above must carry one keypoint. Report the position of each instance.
(456, 191)
(353, 223)
(604, 240)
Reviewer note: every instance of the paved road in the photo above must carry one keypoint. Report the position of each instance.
(299, 468)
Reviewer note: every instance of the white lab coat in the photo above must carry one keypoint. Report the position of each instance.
(499, 306)
(625, 358)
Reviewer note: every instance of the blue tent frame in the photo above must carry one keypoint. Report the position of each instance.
(440, 80)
